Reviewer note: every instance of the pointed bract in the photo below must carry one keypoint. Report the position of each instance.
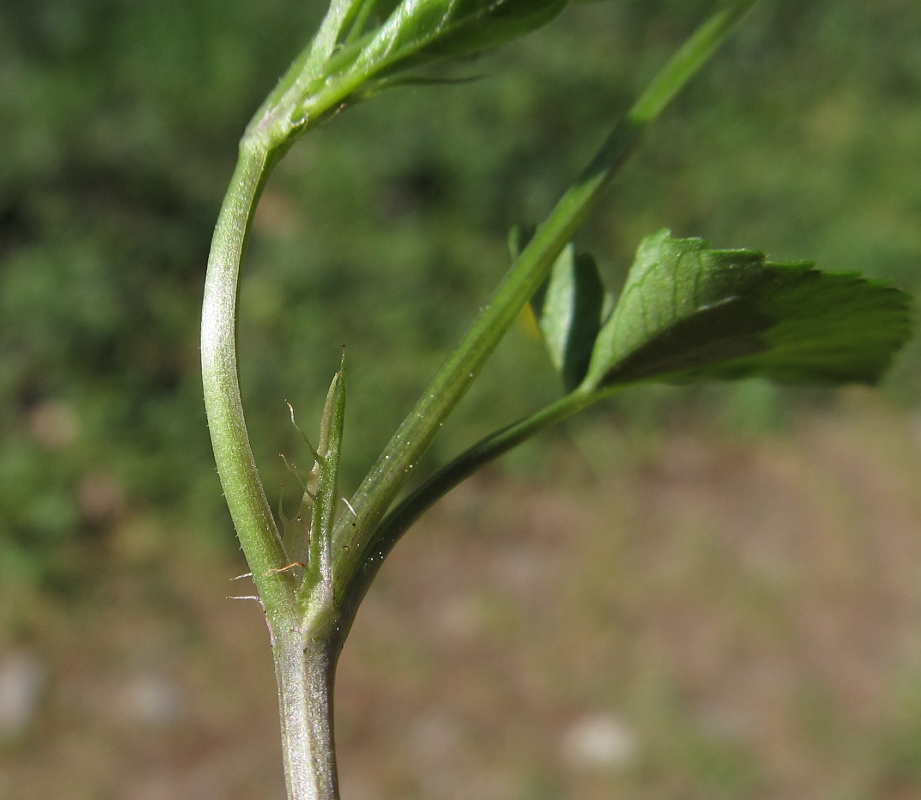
(326, 501)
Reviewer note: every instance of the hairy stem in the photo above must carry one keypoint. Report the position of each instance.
(304, 660)
(308, 632)
(246, 500)
(305, 669)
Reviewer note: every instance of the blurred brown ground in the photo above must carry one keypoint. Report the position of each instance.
(706, 617)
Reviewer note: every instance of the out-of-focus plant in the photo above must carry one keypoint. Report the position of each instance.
(686, 313)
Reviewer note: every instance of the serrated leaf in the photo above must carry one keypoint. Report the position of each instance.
(419, 31)
(691, 313)
(568, 309)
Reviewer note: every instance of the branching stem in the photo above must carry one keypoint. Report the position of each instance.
(308, 626)
(464, 364)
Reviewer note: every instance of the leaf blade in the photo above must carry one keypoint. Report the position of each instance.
(425, 30)
(691, 313)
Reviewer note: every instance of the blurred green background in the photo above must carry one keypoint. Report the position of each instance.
(384, 231)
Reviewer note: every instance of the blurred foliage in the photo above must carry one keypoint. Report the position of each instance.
(385, 230)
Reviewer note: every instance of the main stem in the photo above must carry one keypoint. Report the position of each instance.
(303, 647)
(233, 454)
(305, 669)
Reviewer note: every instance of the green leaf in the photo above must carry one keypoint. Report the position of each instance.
(568, 308)
(690, 313)
(419, 31)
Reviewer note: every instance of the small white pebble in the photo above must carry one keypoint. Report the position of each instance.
(151, 701)
(599, 742)
(22, 679)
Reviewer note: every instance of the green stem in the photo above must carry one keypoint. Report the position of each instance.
(358, 26)
(246, 500)
(305, 669)
(304, 645)
(408, 511)
(464, 364)
(304, 657)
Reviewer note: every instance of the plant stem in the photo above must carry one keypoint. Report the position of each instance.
(465, 363)
(246, 500)
(405, 514)
(306, 636)
(305, 669)
(477, 456)
(304, 659)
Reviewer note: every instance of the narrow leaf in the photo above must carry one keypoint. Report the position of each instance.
(691, 313)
